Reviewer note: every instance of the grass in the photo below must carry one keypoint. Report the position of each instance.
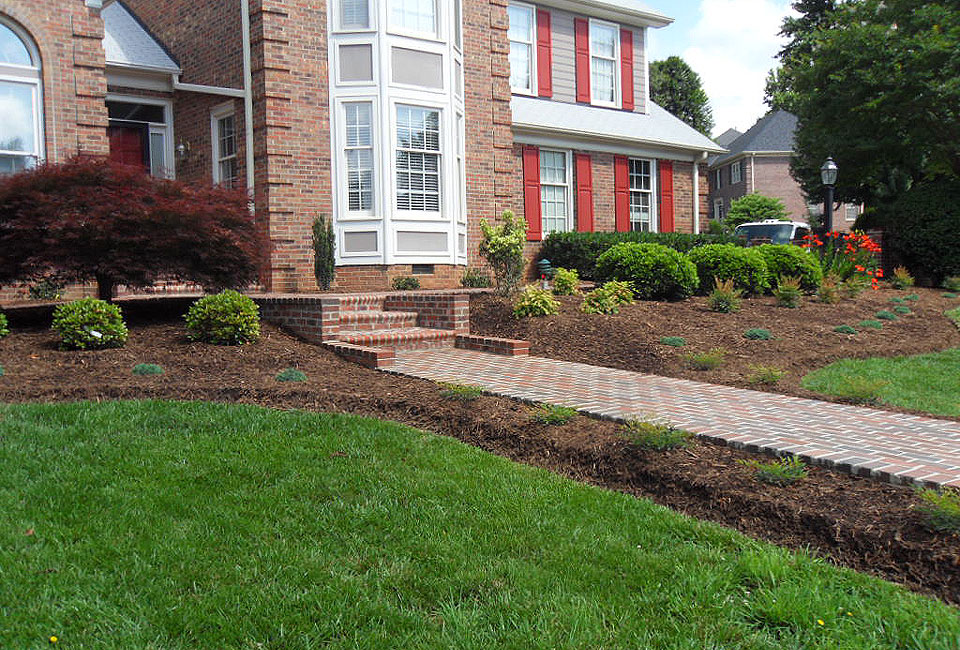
(706, 360)
(954, 315)
(460, 392)
(782, 472)
(655, 435)
(926, 382)
(942, 508)
(871, 324)
(761, 375)
(191, 525)
(552, 414)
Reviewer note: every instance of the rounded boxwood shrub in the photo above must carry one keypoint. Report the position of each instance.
(4, 329)
(793, 261)
(745, 266)
(227, 318)
(89, 324)
(655, 271)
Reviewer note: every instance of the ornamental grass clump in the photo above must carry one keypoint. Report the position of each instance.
(898, 301)
(829, 291)
(788, 292)
(607, 298)
(673, 341)
(861, 390)
(725, 297)
(883, 314)
(706, 360)
(912, 297)
(942, 508)
(655, 435)
(901, 278)
(226, 318)
(553, 414)
(952, 284)
(566, 282)
(1, 371)
(902, 309)
(291, 375)
(758, 334)
(761, 375)
(147, 369)
(782, 472)
(4, 325)
(89, 324)
(844, 329)
(870, 324)
(460, 392)
(853, 286)
(954, 315)
(535, 302)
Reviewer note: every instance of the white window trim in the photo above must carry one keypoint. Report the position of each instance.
(166, 128)
(371, 17)
(654, 213)
(718, 209)
(617, 65)
(374, 228)
(456, 14)
(31, 75)
(439, 35)
(718, 178)
(738, 177)
(443, 214)
(218, 113)
(343, 178)
(533, 90)
(568, 157)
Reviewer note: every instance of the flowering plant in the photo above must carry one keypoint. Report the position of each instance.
(847, 254)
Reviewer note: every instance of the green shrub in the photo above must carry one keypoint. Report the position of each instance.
(954, 315)
(1, 371)
(758, 334)
(724, 298)
(147, 369)
(883, 314)
(782, 472)
(4, 326)
(655, 435)
(745, 266)
(226, 318)
(870, 324)
(607, 298)
(844, 329)
(761, 375)
(47, 289)
(291, 374)
(89, 324)
(324, 247)
(901, 309)
(460, 392)
(580, 250)
(475, 279)
(553, 415)
(793, 261)
(901, 278)
(565, 282)
(853, 286)
(787, 292)
(861, 390)
(912, 297)
(951, 296)
(653, 270)
(829, 291)
(534, 301)
(673, 341)
(952, 284)
(898, 301)
(502, 247)
(405, 283)
(754, 207)
(942, 509)
(706, 360)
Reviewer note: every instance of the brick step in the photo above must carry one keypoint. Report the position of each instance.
(376, 320)
(362, 302)
(365, 356)
(404, 338)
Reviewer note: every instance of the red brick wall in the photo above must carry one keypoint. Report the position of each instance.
(772, 178)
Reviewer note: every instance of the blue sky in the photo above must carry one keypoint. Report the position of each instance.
(731, 44)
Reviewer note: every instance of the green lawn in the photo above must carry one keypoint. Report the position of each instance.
(926, 382)
(175, 526)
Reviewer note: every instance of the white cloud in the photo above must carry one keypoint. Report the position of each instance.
(732, 47)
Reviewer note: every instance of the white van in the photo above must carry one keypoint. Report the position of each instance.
(773, 231)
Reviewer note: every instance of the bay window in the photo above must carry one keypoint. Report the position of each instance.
(354, 14)
(20, 103)
(358, 151)
(418, 159)
(522, 48)
(418, 16)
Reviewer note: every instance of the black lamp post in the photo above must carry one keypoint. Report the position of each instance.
(828, 174)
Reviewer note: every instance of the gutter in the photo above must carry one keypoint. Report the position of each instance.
(696, 191)
(207, 90)
(590, 136)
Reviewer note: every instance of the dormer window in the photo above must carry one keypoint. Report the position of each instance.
(522, 39)
(604, 63)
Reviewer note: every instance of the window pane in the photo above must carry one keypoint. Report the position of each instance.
(12, 49)
(417, 167)
(135, 112)
(414, 15)
(520, 76)
(18, 125)
(158, 148)
(603, 41)
(13, 164)
(553, 167)
(358, 125)
(603, 80)
(354, 14)
(521, 24)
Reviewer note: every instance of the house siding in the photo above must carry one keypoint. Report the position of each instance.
(564, 57)
(639, 71)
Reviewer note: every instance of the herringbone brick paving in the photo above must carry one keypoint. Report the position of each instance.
(894, 447)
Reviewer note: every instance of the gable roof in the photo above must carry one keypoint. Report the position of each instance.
(727, 137)
(772, 133)
(128, 44)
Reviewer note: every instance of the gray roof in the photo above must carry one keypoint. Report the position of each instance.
(727, 137)
(656, 128)
(127, 42)
(772, 133)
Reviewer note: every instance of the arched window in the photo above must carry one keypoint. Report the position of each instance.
(21, 140)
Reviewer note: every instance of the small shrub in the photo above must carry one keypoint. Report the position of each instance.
(1, 371)
(653, 270)
(883, 314)
(553, 415)
(793, 261)
(706, 360)
(765, 375)
(405, 283)
(854, 286)
(952, 284)
(47, 289)
(860, 390)
(291, 374)
(787, 292)
(782, 472)
(901, 278)
(89, 324)
(898, 301)
(951, 296)
(655, 435)
(226, 318)
(745, 266)
(475, 279)
(4, 326)
(758, 334)
(502, 247)
(724, 298)
(324, 251)
(673, 341)
(566, 282)
(902, 309)
(607, 298)
(460, 392)
(844, 329)
(942, 509)
(534, 302)
(829, 291)
(954, 315)
(912, 297)
(147, 369)
(870, 324)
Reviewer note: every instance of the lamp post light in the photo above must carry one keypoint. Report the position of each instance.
(828, 174)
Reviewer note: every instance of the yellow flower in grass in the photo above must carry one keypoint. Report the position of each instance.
(820, 621)
(53, 639)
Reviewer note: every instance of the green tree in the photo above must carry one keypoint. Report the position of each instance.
(813, 16)
(754, 207)
(677, 88)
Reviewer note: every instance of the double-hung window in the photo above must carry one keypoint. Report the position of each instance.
(418, 159)
(522, 49)
(555, 190)
(717, 179)
(641, 195)
(736, 172)
(358, 151)
(417, 16)
(718, 209)
(604, 63)
(224, 146)
(20, 103)
(354, 14)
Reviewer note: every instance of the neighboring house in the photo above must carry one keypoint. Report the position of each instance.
(407, 121)
(728, 136)
(759, 161)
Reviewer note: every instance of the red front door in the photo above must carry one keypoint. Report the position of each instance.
(127, 145)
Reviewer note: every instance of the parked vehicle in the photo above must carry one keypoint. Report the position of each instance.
(772, 231)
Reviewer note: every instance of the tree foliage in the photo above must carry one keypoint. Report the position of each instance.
(801, 30)
(90, 219)
(754, 207)
(677, 88)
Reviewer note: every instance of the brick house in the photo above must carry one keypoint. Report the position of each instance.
(759, 161)
(406, 121)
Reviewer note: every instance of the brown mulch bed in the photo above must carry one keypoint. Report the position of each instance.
(855, 522)
(804, 337)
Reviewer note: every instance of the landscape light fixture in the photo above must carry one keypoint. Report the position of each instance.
(828, 174)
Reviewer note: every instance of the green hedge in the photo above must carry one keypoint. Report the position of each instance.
(745, 266)
(785, 259)
(580, 250)
(654, 271)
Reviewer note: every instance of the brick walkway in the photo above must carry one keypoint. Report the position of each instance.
(890, 446)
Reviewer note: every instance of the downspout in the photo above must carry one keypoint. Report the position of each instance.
(696, 191)
(247, 94)
(753, 170)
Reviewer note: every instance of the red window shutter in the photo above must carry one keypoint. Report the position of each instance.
(626, 68)
(621, 192)
(531, 193)
(666, 196)
(581, 30)
(584, 192)
(544, 55)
